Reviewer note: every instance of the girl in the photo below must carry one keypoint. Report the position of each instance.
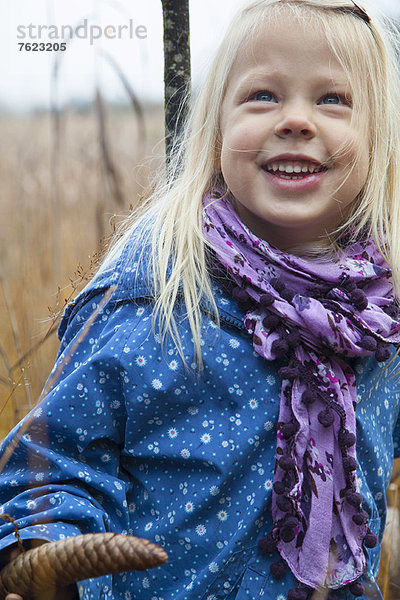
(229, 400)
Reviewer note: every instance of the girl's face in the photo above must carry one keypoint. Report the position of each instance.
(289, 151)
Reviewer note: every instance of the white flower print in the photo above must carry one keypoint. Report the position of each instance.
(251, 498)
(206, 438)
(253, 403)
(222, 515)
(236, 419)
(183, 486)
(185, 453)
(189, 507)
(214, 490)
(234, 343)
(173, 365)
(156, 383)
(201, 530)
(140, 361)
(173, 433)
(213, 567)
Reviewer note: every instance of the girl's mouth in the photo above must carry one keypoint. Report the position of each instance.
(293, 170)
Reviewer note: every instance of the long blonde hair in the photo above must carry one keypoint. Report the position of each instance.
(169, 221)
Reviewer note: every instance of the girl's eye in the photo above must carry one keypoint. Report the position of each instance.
(263, 96)
(333, 99)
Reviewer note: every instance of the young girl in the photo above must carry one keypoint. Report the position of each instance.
(234, 400)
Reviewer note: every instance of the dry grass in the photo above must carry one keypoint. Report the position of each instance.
(58, 196)
(56, 208)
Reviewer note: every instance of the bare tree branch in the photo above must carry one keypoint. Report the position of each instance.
(176, 66)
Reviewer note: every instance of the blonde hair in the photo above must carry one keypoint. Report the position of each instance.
(169, 221)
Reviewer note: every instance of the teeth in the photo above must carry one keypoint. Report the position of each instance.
(293, 167)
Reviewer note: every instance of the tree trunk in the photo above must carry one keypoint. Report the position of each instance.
(176, 66)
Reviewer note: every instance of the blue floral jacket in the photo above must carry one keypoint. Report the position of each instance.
(130, 441)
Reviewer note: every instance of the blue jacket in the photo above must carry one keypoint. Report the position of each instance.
(130, 441)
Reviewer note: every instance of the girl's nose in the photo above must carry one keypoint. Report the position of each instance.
(295, 123)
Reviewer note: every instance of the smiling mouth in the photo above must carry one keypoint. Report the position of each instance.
(293, 169)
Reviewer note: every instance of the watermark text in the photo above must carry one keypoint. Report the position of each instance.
(84, 31)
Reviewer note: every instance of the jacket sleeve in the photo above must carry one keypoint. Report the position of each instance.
(64, 477)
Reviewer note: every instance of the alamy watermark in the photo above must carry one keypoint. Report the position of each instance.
(84, 31)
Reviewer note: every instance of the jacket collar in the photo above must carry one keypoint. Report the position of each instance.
(132, 284)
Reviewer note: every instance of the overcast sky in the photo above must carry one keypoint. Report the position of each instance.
(26, 75)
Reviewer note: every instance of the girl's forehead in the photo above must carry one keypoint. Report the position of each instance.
(285, 35)
(286, 44)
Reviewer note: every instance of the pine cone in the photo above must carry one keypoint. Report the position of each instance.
(61, 563)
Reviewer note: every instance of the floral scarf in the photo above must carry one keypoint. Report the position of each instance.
(311, 314)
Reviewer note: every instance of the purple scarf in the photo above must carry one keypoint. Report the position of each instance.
(311, 314)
